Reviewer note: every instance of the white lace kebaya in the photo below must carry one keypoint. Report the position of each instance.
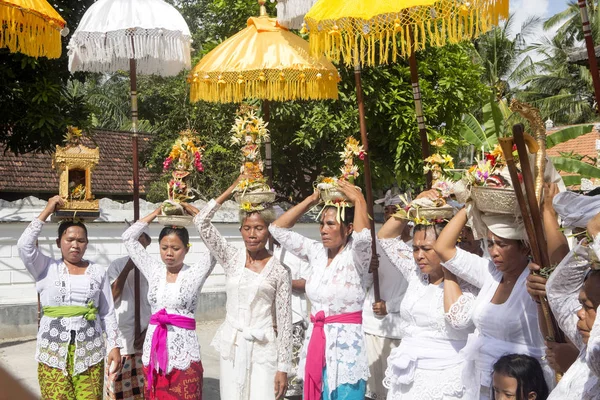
(563, 287)
(247, 337)
(59, 288)
(510, 327)
(336, 289)
(427, 365)
(180, 297)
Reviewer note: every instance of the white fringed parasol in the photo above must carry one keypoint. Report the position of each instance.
(290, 13)
(112, 32)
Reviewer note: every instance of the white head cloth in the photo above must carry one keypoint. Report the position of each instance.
(576, 210)
(505, 226)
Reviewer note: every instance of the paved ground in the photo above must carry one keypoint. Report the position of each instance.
(17, 357)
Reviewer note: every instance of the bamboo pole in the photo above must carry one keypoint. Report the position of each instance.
(136, 188)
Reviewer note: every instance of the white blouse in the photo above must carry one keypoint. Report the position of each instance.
(563, 287)
(335, 289)
(425, 323)
(392, 287)
(179, 297)
(59, 288)
(510, 327)
(250, 301)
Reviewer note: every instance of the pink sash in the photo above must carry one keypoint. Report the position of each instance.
(159, 350)
(315, 355)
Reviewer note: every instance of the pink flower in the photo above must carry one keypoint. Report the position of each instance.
(167, 163)
(361, 155)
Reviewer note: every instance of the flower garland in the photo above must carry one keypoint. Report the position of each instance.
(438, 163)
(491, 171)
(184, 161)
(352, 149)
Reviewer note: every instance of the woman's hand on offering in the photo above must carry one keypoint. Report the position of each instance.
(536, 284)
(431, 194)
(54, 203)
(315, 197)
(352, 192)
(190, 209)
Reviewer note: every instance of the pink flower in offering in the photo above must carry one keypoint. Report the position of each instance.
(361, 155)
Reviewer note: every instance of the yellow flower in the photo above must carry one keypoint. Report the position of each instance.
(439, 142)
(246, 206)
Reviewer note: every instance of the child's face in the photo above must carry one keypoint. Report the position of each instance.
(504, 387)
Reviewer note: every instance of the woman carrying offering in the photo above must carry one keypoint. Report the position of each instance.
(78, 309)
(435, 316)
(333, 360)
(171, 355)
(254, 359)
(504, 315)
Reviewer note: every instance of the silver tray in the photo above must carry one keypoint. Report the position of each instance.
(255, 197)
(445, 212)
(175, 220)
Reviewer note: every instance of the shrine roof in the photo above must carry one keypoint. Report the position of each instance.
(33, 173)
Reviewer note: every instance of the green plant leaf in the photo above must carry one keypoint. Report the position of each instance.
(571, 180)
(472, 132)
(566, 134)
(575, 166)
(493, 118)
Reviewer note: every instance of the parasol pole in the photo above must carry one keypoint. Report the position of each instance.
(414, 79)
(136, 186)
(368, 182)
(266, 111)
(589, 44)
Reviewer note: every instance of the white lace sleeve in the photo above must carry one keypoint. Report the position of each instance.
(293, 242)
(108, 319)
(469, 267)
(35, 261)
(205, 266)
(563, 291)
(362, 250)
(400, 254)
(138, 254)
(216, 244)
(459, 316)
(283, 312)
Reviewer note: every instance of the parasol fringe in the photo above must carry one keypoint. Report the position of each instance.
(212, 91)
(29, 33)
(452, 22)
(156, 51)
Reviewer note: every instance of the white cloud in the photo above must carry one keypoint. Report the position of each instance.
(525, 9)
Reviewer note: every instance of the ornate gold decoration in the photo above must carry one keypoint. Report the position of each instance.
(73, 157)
(538, 129)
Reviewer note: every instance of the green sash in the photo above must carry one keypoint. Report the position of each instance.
(88, 312)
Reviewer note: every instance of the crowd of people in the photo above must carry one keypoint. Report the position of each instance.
(458, 318)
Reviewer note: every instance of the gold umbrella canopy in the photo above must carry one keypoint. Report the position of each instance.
(375, 32)
(31, 27)
(263, 61)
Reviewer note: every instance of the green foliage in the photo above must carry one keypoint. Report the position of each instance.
(567, 134)
(575, 166)
(35, 98)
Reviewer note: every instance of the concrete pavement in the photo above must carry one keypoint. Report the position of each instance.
(17, 357)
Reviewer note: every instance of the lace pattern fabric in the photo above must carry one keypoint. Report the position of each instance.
(58, 288)
(180, 297)
(563, 287)
(250, 303)
(337, 288)
(423, 317)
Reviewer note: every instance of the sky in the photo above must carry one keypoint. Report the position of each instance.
(523, 9)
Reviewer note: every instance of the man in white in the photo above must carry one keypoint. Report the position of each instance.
(381, 320)
(299, 270)
(129, 383)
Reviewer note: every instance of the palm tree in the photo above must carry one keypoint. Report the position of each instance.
(568, 21)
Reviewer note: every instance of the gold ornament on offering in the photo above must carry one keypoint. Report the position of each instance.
(75, 163)
(184, 162)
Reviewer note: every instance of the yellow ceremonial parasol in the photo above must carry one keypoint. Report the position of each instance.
(31, 27)
(359, 32)
(263, 61)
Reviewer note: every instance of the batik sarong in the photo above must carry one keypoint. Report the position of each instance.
(177, 385)
(55, 385)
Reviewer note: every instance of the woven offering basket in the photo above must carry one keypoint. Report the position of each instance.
(255, 197)
(495, 200)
